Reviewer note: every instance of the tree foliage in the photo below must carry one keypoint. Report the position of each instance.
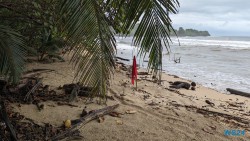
(191, 32)
(89, 28)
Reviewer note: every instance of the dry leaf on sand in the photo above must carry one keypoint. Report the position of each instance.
(119, 122)
(131, 112)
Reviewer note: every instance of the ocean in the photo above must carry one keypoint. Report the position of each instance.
(214, 62)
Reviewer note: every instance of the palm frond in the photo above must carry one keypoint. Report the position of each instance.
(94, 43)
(12, 53)
(153, 32)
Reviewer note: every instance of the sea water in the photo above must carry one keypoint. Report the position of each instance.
(214, 62)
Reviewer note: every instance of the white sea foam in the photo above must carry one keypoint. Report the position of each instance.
(209, 42)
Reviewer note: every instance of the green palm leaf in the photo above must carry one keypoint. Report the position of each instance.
(153, 32)
(89, 25)
(12, 52)
(94, 43)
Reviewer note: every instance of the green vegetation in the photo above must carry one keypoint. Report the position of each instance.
(189, 32)
(181, 32)
(87, 28)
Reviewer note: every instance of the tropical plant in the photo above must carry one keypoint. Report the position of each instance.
(90, 26)
(50, 47)
(12, 52)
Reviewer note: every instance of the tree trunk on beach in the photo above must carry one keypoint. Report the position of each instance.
(237, 92)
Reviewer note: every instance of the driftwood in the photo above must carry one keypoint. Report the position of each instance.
(34, 72)
(143, 73)
(179, 84)
(205, 112)
(7, 121)
(93, 115)
(227, 116)
(236, 92)
(123, 59)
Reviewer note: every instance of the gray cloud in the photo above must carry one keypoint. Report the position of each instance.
(219, 17)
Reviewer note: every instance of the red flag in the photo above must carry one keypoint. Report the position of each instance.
(134, 71)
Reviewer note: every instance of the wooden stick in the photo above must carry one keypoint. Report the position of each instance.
(82, 121)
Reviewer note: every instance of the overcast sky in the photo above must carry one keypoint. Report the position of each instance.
(219, 17)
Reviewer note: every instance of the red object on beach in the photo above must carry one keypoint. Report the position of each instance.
(134, 71)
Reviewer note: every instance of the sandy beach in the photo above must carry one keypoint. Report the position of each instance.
(158, 112)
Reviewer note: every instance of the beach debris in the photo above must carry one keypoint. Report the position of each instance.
(119, 122)
(84, 112)
(237, 92)
(143, 91)
(27, 96)
(123, 59)
(193, 84)
(130, 112)
(143, 73)
(206, 130)
(153, 103)
(146, 97)
(193, 88)
(115, 114)
(101, 119)
(122, 94)
(210, 103)
(180, 84)
(177, 60)
(67, 123)
(83, 120)
(110, 97)
(235, 104)
(212, 127)
(80, 89)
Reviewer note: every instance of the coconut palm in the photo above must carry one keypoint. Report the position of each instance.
(90, 27)
(12, 52)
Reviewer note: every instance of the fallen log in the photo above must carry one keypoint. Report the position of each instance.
(237, 92)
(5, 117)
(93, 115)
(123, 59)
(179, 84)
(143, 73)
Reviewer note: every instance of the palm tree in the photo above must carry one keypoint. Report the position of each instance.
(90, 27)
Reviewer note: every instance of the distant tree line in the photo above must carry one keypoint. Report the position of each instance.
(180, 32)
(189, 32)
